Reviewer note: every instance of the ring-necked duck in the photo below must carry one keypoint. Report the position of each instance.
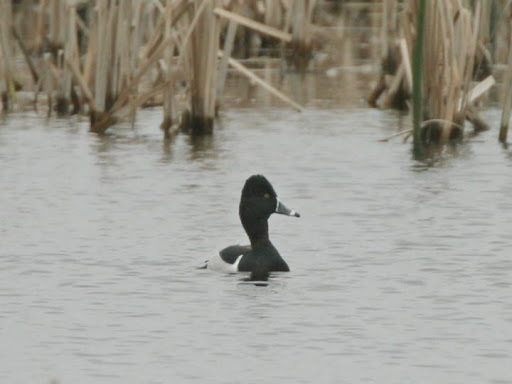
(259, 200)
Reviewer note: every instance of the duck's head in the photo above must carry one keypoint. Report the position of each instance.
(259, 200)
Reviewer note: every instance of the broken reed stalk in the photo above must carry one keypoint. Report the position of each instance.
(274, 13)
(388, 29)
(507, 100)
(452, 42)
(7, 92)
(40, 25)
(406, 61)
(103, 14)
(417, 78)
(26, 54)
(165, 66)
(223, 65)
(68, 55)
(125, 58)
(391, 87)
(202, 56)
(301, 51)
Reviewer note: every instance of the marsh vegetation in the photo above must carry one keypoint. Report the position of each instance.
(107, 59)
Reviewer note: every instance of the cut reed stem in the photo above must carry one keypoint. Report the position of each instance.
(417, 77)
(7, 91)
(507, 99)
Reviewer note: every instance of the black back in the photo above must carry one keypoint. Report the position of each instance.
(232, 253)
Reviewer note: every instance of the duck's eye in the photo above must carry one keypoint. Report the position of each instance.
(266, 196)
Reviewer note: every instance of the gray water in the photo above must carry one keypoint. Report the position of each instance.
(401, 270)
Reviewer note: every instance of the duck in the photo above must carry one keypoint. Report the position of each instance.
(258, 202)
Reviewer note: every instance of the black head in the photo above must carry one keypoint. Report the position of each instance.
(259, 200)
(257, 186)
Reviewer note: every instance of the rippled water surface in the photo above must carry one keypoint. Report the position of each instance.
(401, 270)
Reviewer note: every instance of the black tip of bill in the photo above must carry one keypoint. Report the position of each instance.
(283, 210)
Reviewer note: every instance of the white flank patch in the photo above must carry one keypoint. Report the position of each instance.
(217, 264)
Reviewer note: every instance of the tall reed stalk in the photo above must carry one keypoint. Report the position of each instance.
(6, 56)
(166, 73)
(507, 99)
(450, 51)
(417, 77)
(300, 14)
(68, 54)
(202, 59)
(394, 84)
(103, 20)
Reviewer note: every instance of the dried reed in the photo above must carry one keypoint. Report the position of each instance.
(299, 17)
(7, 80)
(417, 96)
(452, 39)
(202, 59)
(507, 100)
(391, 87)
(444, 74)
(165, 65)
(107, 58)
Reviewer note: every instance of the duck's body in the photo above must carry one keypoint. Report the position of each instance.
(257, 203)
(243, 258)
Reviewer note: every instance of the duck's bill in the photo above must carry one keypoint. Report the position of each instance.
(284, 210)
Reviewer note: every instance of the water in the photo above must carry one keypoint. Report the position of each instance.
(401, 270)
